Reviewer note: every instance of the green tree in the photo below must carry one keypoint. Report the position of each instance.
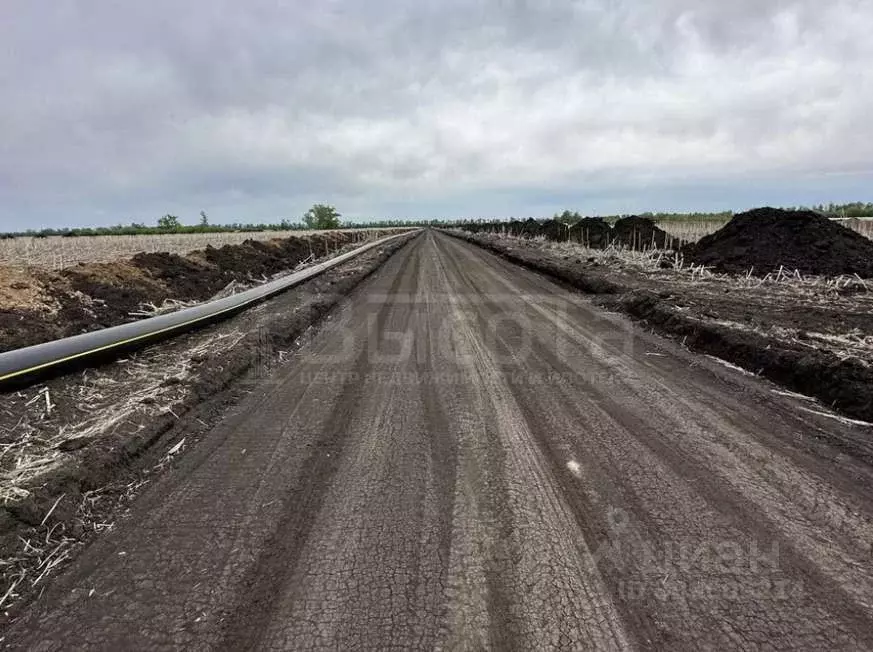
(204, 219)
(322, 216)
(169, 222)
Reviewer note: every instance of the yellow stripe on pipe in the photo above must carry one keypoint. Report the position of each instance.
(53, 363)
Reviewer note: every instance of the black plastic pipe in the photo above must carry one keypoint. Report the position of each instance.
(23, 367)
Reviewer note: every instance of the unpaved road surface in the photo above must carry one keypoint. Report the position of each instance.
(469, 456)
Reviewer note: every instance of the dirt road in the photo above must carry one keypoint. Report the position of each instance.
(469, 456)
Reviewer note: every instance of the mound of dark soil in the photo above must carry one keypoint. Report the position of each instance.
(592, 232)
(641, 233)
(243, 259)
(765, 239)
(188, 279)
(530, 229)
(554, 230)
(515, 227)
(108, 291)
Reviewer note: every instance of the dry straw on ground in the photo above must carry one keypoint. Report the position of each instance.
(36, 443)
(39, 441)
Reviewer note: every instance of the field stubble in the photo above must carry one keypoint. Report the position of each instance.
(57, 252)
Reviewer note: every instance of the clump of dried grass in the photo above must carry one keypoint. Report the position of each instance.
(47, 546)
(38, 443)
(38, 557)
(45, 549)
(169, 305)
(649, 260)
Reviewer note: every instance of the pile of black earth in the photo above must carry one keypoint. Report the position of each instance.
(554, 230)
(641, 233)
(592, 232)
(767, 239)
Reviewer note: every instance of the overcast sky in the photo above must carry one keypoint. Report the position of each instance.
(115, 111)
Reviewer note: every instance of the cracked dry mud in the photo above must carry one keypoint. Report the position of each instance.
(469, 456)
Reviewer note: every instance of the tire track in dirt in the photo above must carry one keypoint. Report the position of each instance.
(835, 591)
(543, 527)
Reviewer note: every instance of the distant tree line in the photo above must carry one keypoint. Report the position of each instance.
(165, 226)
(323, 216)
(172, 224)
(855, 209)
(571, 217)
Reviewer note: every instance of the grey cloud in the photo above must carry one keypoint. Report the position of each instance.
(265, 106)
